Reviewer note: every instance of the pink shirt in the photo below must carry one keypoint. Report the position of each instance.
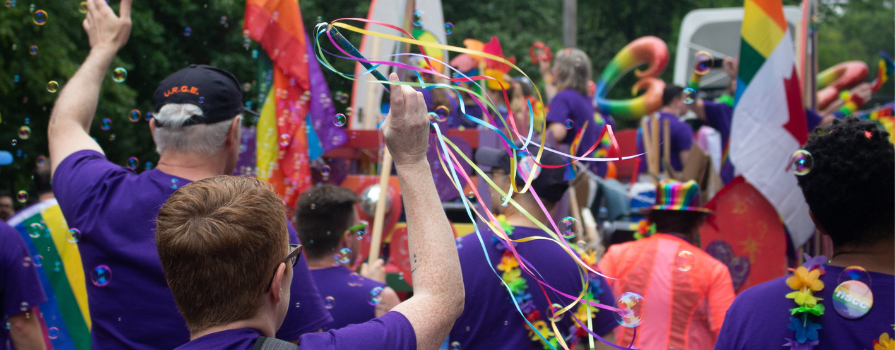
(682, 309)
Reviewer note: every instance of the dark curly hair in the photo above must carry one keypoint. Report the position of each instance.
(851, 186)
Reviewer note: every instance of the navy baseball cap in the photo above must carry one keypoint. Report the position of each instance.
(215, 91)
(550, 184)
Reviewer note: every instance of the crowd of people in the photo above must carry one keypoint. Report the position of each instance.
(205, 260)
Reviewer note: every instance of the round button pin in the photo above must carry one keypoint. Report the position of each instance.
(852, 299)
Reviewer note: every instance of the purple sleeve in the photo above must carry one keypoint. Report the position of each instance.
(559, 113)
(80, 179)
(605, 322)
(392, 331)
(719, 116)
(814, 119)
(19, 285)
(306, 310)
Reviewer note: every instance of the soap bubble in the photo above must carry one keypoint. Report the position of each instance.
(26, 262)
(704, 63)
(187, 31)
(39, 17)
(35, 230)
(689, 95)
(23, 306)
(448, 28)
(328, 302)
(340, 120)
(223, 19)
(52, 86)
(73, 236)
(684, 260)
(22, 196)
(101, 275)
(553, 313)
(25, 132)
(455, 345)
(419, 17)
(629, 314)
(33, 50)
(135, 115)
(132, 163)
(569, 227)
(38, 260)
(801, 162)
(82, 8)
(325, 170)
(106, 124)
(569, 124)
(344, 256)
(375, 296)
(442, 113)
(53, 332)
(201, 99)
(285, 139)
(354, 279)
(119, 74)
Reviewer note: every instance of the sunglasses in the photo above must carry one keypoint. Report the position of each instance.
(291, 258)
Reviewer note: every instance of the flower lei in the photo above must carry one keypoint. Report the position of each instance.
(512, 276)
(644, 229)
(805, 282)
(884, 343)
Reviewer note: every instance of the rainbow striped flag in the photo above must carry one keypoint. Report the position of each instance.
(58, 263)
(769, 122)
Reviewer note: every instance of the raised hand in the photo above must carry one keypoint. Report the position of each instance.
(406, 128)
(374, 271)
(105, 30)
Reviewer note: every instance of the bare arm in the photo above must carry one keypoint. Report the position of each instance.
(684, 155)
(558, 130)
(374, 271)
(388, 302)
(435, 266)
(25, 331)
(74, 110)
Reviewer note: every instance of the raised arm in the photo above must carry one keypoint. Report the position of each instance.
(438, 293)
(74, 110)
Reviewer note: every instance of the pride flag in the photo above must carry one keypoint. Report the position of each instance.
(295, 126)
(58, 263)
(769, 122)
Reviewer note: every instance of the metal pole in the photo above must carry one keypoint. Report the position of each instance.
(570, 23)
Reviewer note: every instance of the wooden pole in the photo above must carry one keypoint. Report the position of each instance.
(379, 215)
(570, 23)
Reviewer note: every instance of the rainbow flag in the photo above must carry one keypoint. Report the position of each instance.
(58, 263)
(769, 122)
(295, 126)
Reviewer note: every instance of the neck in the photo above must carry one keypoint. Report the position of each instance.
(669, 110)
(192, 166)
(879, 257)
(45, 196)
(515, 217)
(325, 262)
(267, 327)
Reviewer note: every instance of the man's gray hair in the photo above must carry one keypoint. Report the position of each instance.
(205, 139)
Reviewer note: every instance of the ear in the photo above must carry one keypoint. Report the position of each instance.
(346, 239)
(276, 293)
(820, 228)
(152, 127)
(233, 133)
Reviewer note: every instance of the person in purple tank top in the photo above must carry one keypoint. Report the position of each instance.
(681, 134)
(197, 116)
(845, 302)
(224, 249)
(491, 320)
(323, 217)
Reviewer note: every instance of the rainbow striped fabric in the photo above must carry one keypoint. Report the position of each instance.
(769, 122)
(58, 263)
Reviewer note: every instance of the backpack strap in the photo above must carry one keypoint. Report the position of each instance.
(265, 343)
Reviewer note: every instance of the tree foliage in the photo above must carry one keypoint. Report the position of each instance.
(158, 46)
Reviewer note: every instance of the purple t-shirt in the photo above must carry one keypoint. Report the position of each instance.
(490, 320)
(391, 331)
(350, 293)
(759, 316)
(115, 210)
(19, 285)
(719, 116)
(572, 105)
(681, 139)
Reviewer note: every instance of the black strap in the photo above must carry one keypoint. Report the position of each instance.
(265, 343)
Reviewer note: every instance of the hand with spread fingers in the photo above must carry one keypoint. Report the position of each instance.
(406, 128)
(105, 30)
